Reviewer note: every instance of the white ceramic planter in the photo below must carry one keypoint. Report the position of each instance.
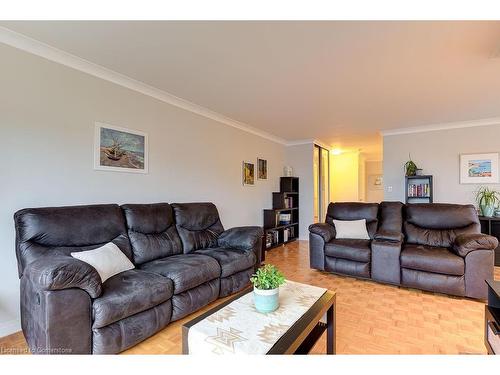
(266, 301)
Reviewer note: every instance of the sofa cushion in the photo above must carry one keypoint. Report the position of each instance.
(347, 267)
(63, 230)
(186, 271)
(130, 331)
(108, 260)
(438, 224)
(441, 215)
(198, 225)
(351, 229)
(129, 293)
(231, 261)
(432, 259)
(152, 231)
(194, 299)
(390, 217)
(354, 211)
(434, 282)
(358, 250)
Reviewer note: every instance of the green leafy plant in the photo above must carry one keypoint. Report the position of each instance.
(267, 277)
(410, 167)
(487, 197)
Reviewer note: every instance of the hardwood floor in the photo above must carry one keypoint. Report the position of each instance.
(372, 318)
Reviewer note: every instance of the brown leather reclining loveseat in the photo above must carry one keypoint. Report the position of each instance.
(435, 247)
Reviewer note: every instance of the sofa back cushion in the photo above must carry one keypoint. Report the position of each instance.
(390, 216)
(354, 211)
(63, 230)
(438, 224)
(198, 225)
(152, 231)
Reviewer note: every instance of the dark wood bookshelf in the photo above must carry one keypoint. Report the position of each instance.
(421, 194)
(491, 226)
(285, 201)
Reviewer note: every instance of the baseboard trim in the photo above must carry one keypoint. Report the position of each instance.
(9, 327)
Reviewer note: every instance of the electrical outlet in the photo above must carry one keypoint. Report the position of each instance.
(389, 189)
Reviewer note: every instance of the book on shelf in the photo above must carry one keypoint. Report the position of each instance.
(284, 219)
(288, 233)
(419, 190)
(272, 238)
(289, 202)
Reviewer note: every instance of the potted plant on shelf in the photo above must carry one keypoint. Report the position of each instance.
(266, 282)
(487, 199)
(410, 167)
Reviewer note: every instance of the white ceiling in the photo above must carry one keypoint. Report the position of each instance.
(339, 81)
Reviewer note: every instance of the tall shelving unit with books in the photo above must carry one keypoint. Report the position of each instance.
(281, 223)
(418, 189)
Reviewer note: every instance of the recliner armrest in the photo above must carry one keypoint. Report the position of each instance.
(242, 238)
(325, 230)
(465, 243)
(389, 235)
(64, 272)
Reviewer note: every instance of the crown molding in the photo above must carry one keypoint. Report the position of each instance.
(442, 126)
(36, 47)
(299, 142)
(309, 141)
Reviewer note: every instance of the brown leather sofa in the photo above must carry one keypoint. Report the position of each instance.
(183, 257)
(434, 247)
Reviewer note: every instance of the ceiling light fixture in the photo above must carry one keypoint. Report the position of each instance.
(336, 151)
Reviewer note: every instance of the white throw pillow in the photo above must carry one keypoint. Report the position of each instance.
(108, 260)
(351, 229)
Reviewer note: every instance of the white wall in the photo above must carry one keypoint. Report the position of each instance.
(437, 153)
(344, 177)
(47, 115)
(300, 157)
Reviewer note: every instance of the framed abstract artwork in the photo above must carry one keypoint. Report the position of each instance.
(120, 149)
(248, 173)
(479, 168)
(261, 169)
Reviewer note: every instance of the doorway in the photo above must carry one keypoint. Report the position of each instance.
(321, 165)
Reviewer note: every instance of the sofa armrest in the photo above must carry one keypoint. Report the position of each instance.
(63, 272)
(242, 238)
(465, 243)
(325, 230)
(388, 235)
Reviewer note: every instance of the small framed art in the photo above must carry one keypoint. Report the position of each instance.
(120, 149)
(479, 168)
(261, 169)
(248, 173)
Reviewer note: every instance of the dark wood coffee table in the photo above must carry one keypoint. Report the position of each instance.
(300, 337)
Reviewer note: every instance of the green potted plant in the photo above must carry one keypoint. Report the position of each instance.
(487, 199)
(410, 167)
(266, 282)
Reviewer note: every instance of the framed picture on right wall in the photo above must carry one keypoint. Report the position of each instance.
(479, 168)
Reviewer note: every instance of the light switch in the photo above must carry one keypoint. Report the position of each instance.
(389, 189)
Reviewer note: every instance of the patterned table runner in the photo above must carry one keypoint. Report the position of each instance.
(239, 328)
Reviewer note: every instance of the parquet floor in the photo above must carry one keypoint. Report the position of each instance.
(372, 318)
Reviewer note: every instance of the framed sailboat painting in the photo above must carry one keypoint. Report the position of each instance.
(120, 149)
